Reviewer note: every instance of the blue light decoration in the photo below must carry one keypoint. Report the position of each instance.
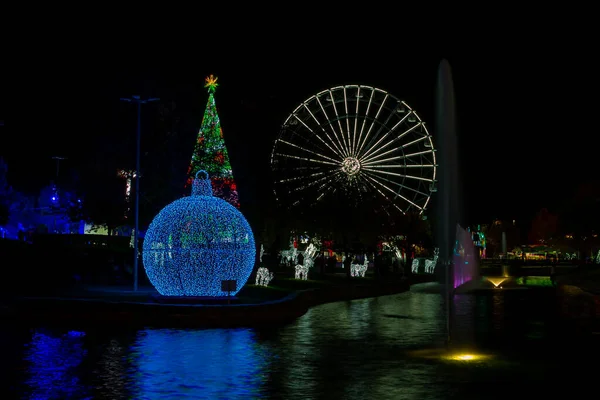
(196, 242)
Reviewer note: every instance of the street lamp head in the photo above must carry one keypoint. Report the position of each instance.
(137, 99)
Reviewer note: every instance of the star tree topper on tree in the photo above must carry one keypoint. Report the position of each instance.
(210, 152)
(211, 83)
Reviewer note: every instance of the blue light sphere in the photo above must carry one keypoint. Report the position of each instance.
(196, 242)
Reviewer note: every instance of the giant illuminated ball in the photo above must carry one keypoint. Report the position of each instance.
(196, 243)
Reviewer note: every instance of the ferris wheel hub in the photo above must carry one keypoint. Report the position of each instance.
(351, 166)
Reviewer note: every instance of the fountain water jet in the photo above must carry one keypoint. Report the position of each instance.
(457, 252)
(465, 262)
(456, 249)
(448, 161)
(496, 281)
(445, 129)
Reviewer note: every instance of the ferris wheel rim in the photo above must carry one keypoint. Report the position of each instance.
(344, 154)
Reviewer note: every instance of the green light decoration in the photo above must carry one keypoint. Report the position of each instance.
(210, 153)
(538, 281)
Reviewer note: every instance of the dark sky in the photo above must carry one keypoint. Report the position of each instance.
(526, 123)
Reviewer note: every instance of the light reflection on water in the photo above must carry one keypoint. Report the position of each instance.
(354, 349)
(111, 370)
(54, 360)
(220, 364)
(349, 350)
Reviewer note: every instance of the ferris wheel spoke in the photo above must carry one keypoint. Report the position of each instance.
(376, 185)
(364, 121)
(319, 184)
(385, 160)
(400, 185)
(326, 187)
(337, 117)
(402, 157)
(401, 166)
(311, 183)
(419, 178)
(304, 137)
(347, 121)
(337, 150)
(354, 131)
(377, 153)
(419, 153)
(345, 150)
(300, 178)
(372, 121)
(322, 193)
(390, 130)
(312, 160)
(394, 192)
(375, 150)
(303, 149)
(291, 190)
(381, 161)
(424, 137)
(352, 123)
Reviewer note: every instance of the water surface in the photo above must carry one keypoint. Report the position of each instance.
(379, 348)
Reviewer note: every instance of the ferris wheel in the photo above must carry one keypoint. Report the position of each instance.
(355, 143)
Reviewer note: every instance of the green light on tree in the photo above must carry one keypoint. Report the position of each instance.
(210, 153)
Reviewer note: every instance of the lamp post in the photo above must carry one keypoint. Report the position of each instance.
(139, 101)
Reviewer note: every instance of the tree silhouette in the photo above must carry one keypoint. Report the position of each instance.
(543, 227)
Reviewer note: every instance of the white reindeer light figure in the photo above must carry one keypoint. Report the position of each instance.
(415, 266)
(263, 276)
(310, 252)
(360, 269)
(309, 261)
(301, 272)
(431, 263)
(290, 255)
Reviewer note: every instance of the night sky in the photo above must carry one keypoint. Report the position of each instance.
(526, 124)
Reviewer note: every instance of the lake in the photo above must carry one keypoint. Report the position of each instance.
(390, 347)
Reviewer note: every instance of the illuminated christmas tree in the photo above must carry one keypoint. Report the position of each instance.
(210, 153)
